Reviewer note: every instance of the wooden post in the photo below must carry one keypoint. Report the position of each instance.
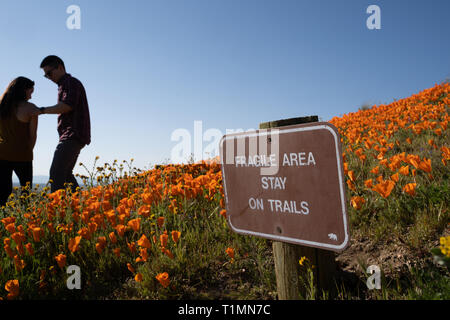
(287, 255)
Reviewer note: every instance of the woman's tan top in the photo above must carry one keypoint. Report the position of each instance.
(15, 144)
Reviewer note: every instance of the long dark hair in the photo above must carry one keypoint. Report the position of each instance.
(15, 93)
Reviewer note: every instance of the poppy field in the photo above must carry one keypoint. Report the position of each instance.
(162, 233)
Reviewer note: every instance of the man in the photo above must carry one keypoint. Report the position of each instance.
(74, 126)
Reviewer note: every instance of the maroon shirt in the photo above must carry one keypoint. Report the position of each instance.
(75, 124)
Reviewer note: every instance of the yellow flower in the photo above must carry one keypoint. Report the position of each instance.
(445, 246)
(302, 260)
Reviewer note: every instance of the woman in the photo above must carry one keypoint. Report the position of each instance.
(18, 127)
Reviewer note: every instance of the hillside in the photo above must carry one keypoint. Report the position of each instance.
(162, 233)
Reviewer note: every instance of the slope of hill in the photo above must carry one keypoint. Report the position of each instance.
(162, 234)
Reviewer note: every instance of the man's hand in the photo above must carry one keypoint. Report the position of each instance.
(56, 109)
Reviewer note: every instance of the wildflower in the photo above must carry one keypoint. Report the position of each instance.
(230, 252)
(138, 277)
(130, 268)
(375, 170)
(404, 170)
(223, 213)
(29, 248)
(368, 183)
(18, 263)
(445, 246)
(144, 211)
(36, 234)
(302, 260)
(120, 229)
(176, 235)
(135, 224)
(163, 279)
(144, 242)
(425, 165)
(100, 245)
(384, 188)
(160, 221)
(163, 239)
(74, 243)
(61, 260)
(351, 175)
(112, 237)
(11, 228)
(12, 286)
(395, 177)
(351, 186)
(410, 189)
(144, 254)
(357, 202)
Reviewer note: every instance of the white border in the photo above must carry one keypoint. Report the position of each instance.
(320, 126)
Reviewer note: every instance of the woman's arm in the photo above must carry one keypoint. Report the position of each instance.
(33, 130)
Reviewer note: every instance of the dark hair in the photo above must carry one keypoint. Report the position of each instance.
(14, 94)
(52, 61)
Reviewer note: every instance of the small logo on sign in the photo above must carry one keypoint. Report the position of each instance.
(332, 236)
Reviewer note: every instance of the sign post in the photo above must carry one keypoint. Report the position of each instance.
(285, 182)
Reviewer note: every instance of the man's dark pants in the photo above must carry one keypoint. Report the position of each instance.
(64, 160)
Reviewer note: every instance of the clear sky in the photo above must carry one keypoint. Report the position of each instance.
(152, 67)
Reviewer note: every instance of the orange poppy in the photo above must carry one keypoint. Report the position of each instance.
(112, 237)
(120, 229)
(230, 252)
(375, 170)
(130, 268)
(425, 165)
(19, 263)
(368, 183)
(384, 188)
(36, 234)
(12, 286)
(30, 249)
(74, 243)
(223, 213)
(163, 239)
(395, 177)
(351, 175)
(144, 211)
(410, 189)
(11, 228)
(357, 202)
(404, 170)
(160, 221)
(144, 242)
(143, 253)
(176, 235)
(163, 279)
(135, 224)
(138, 277)
(61, 260)
(351, 186)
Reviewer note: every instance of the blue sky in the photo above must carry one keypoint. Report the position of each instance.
(151, 67)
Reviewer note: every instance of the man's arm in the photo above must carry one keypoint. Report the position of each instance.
(59, 108)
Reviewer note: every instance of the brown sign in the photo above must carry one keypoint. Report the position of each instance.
(287, 184)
